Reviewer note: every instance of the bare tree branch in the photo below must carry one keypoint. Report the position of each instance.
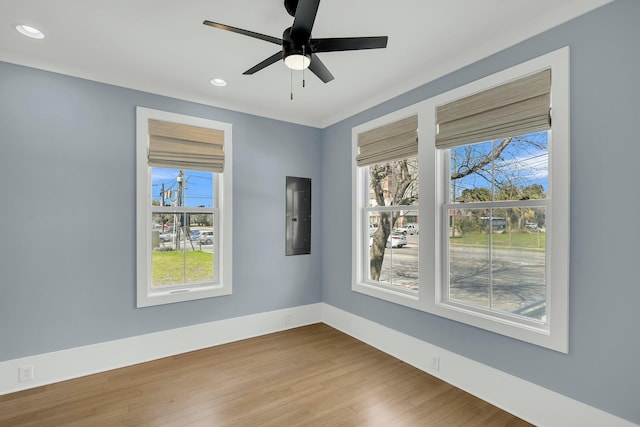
(474, 167)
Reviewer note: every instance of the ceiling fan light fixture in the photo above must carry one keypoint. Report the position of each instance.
(297, 62)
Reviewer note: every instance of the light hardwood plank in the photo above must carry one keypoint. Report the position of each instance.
(311, 376)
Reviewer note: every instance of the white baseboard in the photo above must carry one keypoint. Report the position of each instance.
(535, 404)
(75, 362)
(526, 400)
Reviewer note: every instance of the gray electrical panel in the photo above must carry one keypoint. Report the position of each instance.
(298, 216)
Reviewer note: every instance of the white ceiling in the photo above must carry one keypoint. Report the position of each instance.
(161, 46)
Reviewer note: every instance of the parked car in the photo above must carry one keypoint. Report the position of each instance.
(395, 240)
(206, 237)
(195, 235)
(167, 237)
(410, 228)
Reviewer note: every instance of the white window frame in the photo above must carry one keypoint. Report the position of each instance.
(222, 283)
(360, 220)
(434, 230)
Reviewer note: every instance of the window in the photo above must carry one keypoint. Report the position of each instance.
(389, 206)
(493, 173)
(496, 225)
(183, 208)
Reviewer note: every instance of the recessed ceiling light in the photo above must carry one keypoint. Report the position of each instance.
(218, 82)
(28, 31)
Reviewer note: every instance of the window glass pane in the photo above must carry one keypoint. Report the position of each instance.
(394, 183)
(522, 168)
(497, 259)
(469, 256)
(471, 178)
(167, 262)
(179, 187)
(508, 169)
(199, 265)
(518, 264)
(405, 248)
(182, 248)
(379, 257)
(393, 255)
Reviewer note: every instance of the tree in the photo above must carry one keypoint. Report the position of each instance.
(480, 194)
(202, 219)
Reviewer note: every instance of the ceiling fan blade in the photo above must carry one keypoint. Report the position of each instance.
(348, 43)
(264, 37)
(319, 69)
(305, 16)
(270, 60)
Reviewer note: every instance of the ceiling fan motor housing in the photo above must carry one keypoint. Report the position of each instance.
(294, 47)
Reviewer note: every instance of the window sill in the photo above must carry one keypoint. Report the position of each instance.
(159, 297)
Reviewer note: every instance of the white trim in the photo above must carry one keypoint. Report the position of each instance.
(526, 400)
(535, 404)
(86, 360)
(224, 205)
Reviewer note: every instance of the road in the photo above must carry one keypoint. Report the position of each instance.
(168, 246)
(517, 275)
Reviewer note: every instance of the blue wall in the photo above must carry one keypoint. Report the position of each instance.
(601, 368)
(67, 225)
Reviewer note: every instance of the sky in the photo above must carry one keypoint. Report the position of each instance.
(198, 190)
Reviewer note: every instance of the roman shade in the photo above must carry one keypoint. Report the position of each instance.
(397, 140)
(185, 147)
(516, 108)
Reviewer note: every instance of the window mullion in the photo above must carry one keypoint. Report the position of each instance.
(493, 197)
(490, 289)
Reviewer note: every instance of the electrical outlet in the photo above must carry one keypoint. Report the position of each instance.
(435, 363)
(288, 319)
(25, 373)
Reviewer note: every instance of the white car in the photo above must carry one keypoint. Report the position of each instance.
(395, 240)
(408, 229)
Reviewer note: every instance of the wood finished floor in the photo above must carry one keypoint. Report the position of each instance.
(309, 376)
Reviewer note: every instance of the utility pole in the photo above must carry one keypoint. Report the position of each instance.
(162, 196)
(180, 184)
(176, 227)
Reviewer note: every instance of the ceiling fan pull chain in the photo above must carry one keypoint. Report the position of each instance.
(291, 83)
(303, 67)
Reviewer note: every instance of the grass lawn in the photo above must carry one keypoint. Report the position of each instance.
(168, 267)
(525, 240)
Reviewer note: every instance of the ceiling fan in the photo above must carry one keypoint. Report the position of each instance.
(298, 47)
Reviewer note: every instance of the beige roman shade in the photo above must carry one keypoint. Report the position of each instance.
(397, 140)
(185, 147)
(515, 108)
